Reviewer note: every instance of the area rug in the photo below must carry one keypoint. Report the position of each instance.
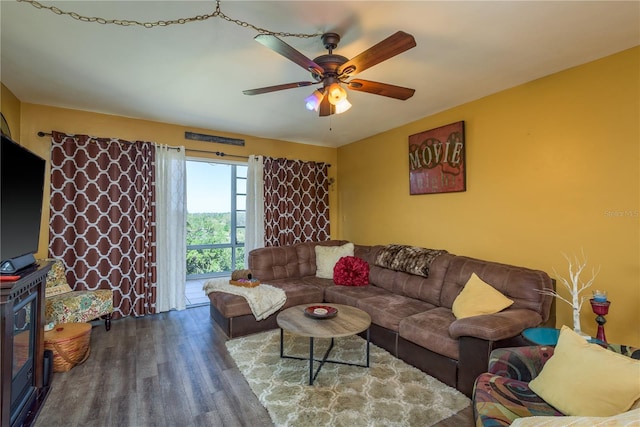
(388, 393)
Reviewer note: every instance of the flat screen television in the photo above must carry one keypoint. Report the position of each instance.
(21, 192)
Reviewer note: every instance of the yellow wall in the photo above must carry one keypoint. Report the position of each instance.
(552, 168)
(10, 108)
(43, 118)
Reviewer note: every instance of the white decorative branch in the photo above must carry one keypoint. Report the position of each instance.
(574, 286)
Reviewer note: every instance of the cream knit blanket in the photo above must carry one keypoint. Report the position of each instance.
(264, 300)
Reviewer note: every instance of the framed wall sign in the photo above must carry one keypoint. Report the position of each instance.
(437, 160)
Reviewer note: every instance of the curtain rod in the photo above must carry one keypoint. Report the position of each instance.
(217, 153)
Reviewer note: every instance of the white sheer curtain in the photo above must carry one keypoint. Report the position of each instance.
(171, 227)
(254, 233)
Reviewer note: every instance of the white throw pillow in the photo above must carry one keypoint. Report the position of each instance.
(328, 256)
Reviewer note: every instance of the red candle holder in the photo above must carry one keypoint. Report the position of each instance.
(601, 309)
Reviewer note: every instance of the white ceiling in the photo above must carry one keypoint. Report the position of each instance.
(194, 74)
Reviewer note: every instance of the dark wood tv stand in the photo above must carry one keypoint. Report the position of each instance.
(22, 343)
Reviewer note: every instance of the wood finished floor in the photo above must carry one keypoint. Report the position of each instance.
(170, 369)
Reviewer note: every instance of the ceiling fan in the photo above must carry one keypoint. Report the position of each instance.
(332, 71)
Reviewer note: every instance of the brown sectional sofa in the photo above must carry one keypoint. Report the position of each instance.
(411, 315)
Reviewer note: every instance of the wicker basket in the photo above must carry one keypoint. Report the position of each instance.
(69, 343)
(245, 283)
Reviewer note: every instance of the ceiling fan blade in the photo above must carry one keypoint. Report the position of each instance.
(278, 46)
(384, 89)
(387, 48)
(268, 89)
(326, 109)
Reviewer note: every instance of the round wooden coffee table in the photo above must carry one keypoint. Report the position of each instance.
(348, 321)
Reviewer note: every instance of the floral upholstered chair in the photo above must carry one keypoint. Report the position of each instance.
(64, 305)
(503, 397)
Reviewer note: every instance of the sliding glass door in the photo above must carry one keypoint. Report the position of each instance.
(216, 211)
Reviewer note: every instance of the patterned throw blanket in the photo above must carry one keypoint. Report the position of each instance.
(409, 259)
(264, 300)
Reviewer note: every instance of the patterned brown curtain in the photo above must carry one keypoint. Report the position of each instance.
(296, 202)
(103, 218)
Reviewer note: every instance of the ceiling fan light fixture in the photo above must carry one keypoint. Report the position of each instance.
(336, 94)
(331, 71)
(342, 106)
(312, 102)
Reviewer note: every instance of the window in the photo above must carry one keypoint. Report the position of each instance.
(216, 212)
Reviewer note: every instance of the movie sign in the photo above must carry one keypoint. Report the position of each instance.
(437, 161)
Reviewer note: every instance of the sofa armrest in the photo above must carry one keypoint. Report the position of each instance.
(519, 363)
(495, 327)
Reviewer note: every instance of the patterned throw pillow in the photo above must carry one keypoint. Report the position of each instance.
(351, 271)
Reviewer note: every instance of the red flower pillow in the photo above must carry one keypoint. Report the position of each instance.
(351, 271)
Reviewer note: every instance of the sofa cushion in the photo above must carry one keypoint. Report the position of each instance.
(78, 306)
(384, 278)
(350, 295)
(328, 256)
(317, 282)
(367, 253)
(425, 289)
(430, 329)
(478, 298)
(273, 263)
(388, 309)
(298, 292)
(584, 379)
(351, 271)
